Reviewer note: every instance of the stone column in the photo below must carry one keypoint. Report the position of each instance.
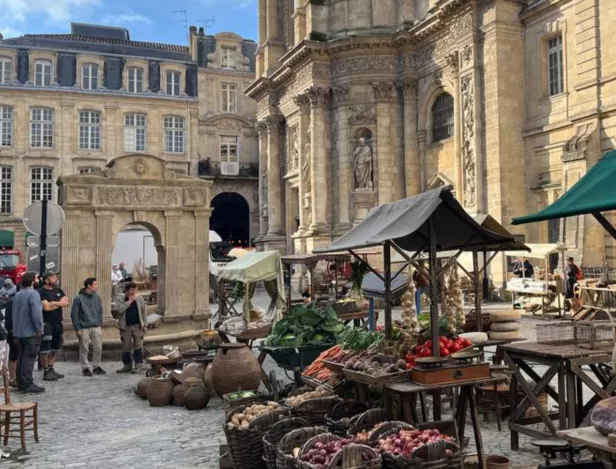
(104, 250)
(412, 166)
(386, 166)
(173, 263)
(71, 256)
(202, 265)
(262, 21)
(303, 104)
(344, 167)
(272, 19)
(274, 192)
(421, 147)
(262, 126)
(320, 172)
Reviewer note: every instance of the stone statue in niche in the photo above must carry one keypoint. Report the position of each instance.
(294, 159)
(264, 186)
(362, 165)
(306, 165)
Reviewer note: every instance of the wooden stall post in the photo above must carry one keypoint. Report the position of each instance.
(433, 287)
(387, 285)
(477, 297)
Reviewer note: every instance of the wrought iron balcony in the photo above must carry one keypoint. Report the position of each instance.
(213, 169)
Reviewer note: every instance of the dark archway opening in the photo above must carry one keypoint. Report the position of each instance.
(231, 218)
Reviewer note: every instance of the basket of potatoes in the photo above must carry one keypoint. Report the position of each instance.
(244, 429)
(313, 406)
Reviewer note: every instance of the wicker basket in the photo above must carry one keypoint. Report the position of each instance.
(430, 456)
(142, 388)
(294, 439)
(342, 416)
(348, 457)
(177, 397)
(246, 446)
(385, 429)
(230, 405)
(160, 391)
(562, 333)
(273, 437)
(315, 410)
(196, 397)
(368, 420)
(300, 391)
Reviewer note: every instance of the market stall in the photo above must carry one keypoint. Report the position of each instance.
(543, 284)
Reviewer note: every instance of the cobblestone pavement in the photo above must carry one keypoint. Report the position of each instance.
(99, 423)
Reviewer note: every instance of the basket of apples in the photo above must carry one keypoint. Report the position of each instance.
(329, 451)
(446, 348)
(419, 449)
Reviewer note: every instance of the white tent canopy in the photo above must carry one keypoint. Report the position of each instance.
(215, 237)
(538, 251)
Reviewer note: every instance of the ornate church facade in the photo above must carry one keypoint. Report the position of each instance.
(362, 103)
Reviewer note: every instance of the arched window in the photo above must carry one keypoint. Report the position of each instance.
(442, 118)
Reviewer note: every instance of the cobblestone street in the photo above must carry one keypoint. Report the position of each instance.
(99, 423)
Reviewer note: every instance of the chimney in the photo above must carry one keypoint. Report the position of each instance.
(201, 31)
(193, 41)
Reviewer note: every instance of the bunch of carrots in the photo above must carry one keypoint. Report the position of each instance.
(317, 369)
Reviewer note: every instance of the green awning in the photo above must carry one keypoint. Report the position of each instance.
(7, 239)
(594, 193)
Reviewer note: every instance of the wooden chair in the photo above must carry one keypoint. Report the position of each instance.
(493, 399)
(24, 413)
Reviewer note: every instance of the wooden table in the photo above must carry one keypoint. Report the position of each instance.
(564, 362)
(408, 392)
(597, 297)
(594, 441)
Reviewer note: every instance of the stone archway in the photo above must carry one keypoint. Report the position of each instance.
(231, 217)
(138, 189)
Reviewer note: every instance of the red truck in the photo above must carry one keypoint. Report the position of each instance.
(11, 266)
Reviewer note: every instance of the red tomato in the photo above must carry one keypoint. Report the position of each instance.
(428, 344)
(425, 352)
(449, 343)
(455, 347)
(445, 352)
(467, 343)
(409, 356)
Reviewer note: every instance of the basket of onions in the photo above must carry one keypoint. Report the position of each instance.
(343, 415)
(289, 448)
(419, 449)
(329, 451)
(274, 436)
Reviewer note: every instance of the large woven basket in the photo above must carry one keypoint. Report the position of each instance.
(246, 446)
(385, 429)
(294, 439)
(142, 388)
(229, 406)
(367, 420)
(340, 419)
(348, 457)
(315, 410)
(430, 456)
(275, 435)
(160, 391)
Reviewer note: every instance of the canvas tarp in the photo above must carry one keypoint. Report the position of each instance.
(406, 223)
(258, 267)
(538, 251)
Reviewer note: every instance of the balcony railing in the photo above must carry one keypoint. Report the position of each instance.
(209, 168)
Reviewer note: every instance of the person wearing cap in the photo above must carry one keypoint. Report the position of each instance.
(53, 300)
(572, 273)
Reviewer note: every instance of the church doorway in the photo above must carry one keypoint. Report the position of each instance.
(231, 218)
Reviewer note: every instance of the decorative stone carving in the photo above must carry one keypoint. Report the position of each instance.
(575, 149)
(264, 192)
(302, 101)
(141, 196)
(273, 123)
(382, 91)
(341, 94)
(362, 166)
(293, 160)
(438, 78)
(408, 86)
(453, 61)
(262, 128)
(466, 55)
(321, 69)
(195, 197)
(468, 142)
(78, 195)
(229, 124)
(170, 174)
(362, 114)
(319, 97)
(306, 174)
(363, 64)
(139, 167)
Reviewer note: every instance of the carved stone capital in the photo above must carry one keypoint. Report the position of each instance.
(453, 61)
(382, 91)
(341, 94)
(273, 123)
(302, 101)
(262, 128)
(438, 78)
(408, 86)
(319, 97)
(466, 56)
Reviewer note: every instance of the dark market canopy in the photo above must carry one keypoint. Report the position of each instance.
(592, 194)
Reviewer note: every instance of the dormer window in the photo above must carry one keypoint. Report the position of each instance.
(228, 59)
(173, 83)
(89, 76)
(42, 73)
(135, 80)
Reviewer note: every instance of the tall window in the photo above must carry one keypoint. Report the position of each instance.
(88, 170)
(442, 118)
(6, 189)
(556, 76)
(229, 97)
(228, 149)
(174, 134)
(173, 83)
(6, 70)
(41, 128)
(89, 76)
(89, 130)
(135, 80)
(42, 73)
(134, 132)
(41, 184)
(6, 126)
(228, 58)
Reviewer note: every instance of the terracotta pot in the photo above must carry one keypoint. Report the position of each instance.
(498, 462)
(178, 394)
(234, 368)
(196, 397)
(207, 378)
(192, 370)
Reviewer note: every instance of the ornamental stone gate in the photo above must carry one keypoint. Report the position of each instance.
(139, 190)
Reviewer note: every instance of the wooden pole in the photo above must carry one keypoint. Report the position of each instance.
(477, 290)
(387, 285)
(433, 287)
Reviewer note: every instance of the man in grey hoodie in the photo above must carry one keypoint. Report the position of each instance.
(27, 330)
(87, 317)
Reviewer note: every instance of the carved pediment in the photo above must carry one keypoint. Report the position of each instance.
(230, 122)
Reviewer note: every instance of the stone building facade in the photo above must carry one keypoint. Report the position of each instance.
(70, 103)
(361, 103)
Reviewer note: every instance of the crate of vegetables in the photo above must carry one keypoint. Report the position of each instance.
(446, 348)
(375, 370)
(327, 451)
(237, 399)
(290, 446)
(313, 406)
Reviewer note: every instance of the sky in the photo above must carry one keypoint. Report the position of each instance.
(153, 20)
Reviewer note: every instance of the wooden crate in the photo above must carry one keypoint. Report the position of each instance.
(451, 373)
(595, 334)
(365, 378)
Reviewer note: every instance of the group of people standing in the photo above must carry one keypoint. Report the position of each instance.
(34, 328)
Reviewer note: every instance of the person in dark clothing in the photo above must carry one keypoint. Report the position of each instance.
(10, 340)
(421, 284)
(53, 300)
(27, 317)
(133, 322)
(572, 273)
(524, 269)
